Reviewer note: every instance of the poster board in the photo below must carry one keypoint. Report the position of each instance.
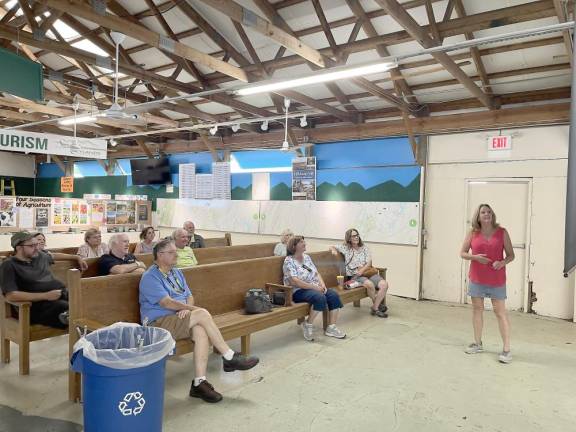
(304, 179)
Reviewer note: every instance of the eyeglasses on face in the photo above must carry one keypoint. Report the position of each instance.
(32, 245)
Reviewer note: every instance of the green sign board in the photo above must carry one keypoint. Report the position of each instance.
(20, 76)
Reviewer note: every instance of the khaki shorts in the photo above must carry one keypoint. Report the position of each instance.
(178, 328)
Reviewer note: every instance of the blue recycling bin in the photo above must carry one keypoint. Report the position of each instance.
(122, 369)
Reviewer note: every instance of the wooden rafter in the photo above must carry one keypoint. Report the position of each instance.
(419, 34)
(561, 13)
(112, 22)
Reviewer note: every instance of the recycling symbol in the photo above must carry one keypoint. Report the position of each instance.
(132, 404)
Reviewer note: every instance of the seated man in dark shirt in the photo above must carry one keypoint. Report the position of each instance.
(26, 277)
(196, 240)
(118, 260)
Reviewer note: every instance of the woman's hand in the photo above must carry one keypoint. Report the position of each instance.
(334, 251)
(482, 259)
(497, 265)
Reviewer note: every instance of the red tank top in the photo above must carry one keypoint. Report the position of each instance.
(493, 248)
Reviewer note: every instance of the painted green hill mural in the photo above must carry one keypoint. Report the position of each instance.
(240, 193)
(280, 192)
(387, 191)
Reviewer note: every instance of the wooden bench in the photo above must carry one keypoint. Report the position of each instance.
(15, 326)
(203, 255)
(218, 287)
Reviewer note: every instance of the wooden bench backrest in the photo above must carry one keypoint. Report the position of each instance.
(204, 256)
(218, 287)
(219, 241)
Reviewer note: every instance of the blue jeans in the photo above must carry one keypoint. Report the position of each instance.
(318, 300)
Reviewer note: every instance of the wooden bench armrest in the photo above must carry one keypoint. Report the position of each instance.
(382, 271)
(89, 324)
(19, 305)
(287, 290)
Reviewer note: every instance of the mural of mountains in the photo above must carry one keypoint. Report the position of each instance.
(280, 192)
(240, 193)
(387, 191)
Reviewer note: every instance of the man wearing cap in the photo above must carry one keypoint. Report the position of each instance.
(26, 277)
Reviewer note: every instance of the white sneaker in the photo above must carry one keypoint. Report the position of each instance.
(474, 348)
(505, 357)
(308, 331)
(334, 332)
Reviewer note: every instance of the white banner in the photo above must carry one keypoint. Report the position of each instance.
(30, 142)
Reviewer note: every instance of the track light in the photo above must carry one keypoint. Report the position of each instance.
(264, 125)
(213, 130)
(80, 119)
(303, 122)
(330, 75)
(236, 127)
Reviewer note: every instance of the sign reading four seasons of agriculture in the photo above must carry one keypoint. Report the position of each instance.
(304, 178)
(30, 142)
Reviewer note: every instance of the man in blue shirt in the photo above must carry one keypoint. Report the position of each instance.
(166, 302)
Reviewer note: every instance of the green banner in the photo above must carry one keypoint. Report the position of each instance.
(20, 76)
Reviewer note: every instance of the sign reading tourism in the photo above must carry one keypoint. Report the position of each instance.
(66, 184)
(304, 178)
(31, 142)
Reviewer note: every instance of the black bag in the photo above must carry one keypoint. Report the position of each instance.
(279, 298)
(257, 301)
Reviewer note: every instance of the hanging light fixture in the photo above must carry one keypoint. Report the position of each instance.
(303, 122)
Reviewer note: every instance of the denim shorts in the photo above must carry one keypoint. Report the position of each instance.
(486, 291)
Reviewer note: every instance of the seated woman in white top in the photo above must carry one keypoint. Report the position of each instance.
(308, 287)
(280, 248)
(93, 246)
(147, 244)
(357, 259)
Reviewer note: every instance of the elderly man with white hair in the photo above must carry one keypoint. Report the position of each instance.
(196, 240)
(118, 260)
(186, 257)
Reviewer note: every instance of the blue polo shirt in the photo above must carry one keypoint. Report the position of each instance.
(155, 285)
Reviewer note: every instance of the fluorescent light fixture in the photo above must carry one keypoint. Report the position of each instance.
(317, 78)
(79, 119)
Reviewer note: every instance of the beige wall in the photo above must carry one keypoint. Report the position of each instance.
(401, 261)
(17, 165)
(538, 153)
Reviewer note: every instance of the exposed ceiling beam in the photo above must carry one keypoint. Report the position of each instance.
(112, 22)
(561, 12)
(250, 19)
(403, 18)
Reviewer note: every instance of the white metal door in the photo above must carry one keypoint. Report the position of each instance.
(511, 201)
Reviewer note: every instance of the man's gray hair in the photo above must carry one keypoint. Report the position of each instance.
(115, 239)
(178, 231)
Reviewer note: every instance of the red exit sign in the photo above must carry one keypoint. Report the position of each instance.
(503, 142)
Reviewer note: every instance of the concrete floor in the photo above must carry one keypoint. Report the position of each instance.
(404, 373)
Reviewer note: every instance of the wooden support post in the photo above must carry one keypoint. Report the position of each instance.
(245, 343)
(24, 336)
(357, 303)
(74, 379)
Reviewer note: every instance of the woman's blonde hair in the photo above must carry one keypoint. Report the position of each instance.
(286, 234)
(476, 226)
(89, 233)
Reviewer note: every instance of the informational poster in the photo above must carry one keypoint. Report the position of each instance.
(57, 212)
(131, 197)
(67, 212)
(222, 188)
(7, 212)
(187, 181)
(25, 218)
(66, 184)
(204, 186)
(97, 196)
(304, 178)
(75, 218)
(42, 217)
(97, 212)
(111, 213)
(121, 213)
(83, 214)
(142, 213)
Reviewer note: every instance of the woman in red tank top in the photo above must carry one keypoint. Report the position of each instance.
(485, 246)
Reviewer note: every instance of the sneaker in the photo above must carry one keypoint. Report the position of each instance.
(474, 348)
(308, 331)
(64, 318)
(505, 357)
(335, 332)
(379, 313)
(239, 362)
(205, 391)
(383, 307)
